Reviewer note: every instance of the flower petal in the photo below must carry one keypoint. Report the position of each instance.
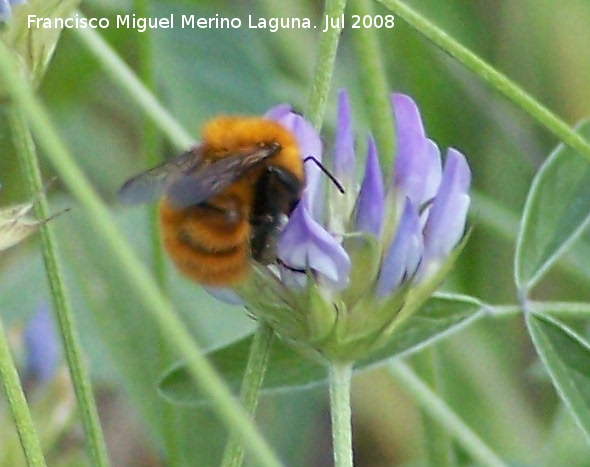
(304, 244)
(432, 172)
(310, 144)
(343, 152)
(404, 253)
(416, 159)
(308, 139)
(370, 203)
(446, 220)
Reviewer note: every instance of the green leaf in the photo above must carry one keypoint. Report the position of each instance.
(441, 315)
(578, 258)
(288, 369)
(556, 212)
(567, 357)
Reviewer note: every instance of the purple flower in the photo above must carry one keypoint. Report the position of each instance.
(403, 255)
(431, 205)
(343, 151)
(371, 198)
(345, 269)
(41, 346)
(440, 199)
(310, 144)
(446, 220)
(307, 138)
(306, 245)
(6, 10)
(417, 170)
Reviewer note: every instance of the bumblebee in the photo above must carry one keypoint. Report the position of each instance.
(222, 202)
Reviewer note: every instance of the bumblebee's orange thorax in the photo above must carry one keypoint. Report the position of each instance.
(224, 134)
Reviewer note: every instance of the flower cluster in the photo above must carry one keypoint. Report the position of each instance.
(353, 264)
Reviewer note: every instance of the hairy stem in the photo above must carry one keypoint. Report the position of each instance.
(19, 409)
(327, 48)
(340, 379)
(233, 455)
(27, 155)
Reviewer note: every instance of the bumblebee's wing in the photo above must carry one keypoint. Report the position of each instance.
(150, 185)
(214, 176)
(191, 178)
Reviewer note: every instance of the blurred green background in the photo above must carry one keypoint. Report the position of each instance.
(489, 368)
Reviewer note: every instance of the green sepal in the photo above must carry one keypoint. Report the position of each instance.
(391, 216)
(269, 300)
(365, 259)
(298, 316)
(363, 327)
(419, 293)
(321, 314)
(370, 315)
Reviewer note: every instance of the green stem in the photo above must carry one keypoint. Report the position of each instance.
(340, 379)
(125, 79)
(150, 140)
(151, 151)
(123, 257)
(429, 401)
(490, 75)
(27, 154)
(233, 455)
(563, 309)
(374, 85)
(324, 68)
(21, 415)
(439, 448)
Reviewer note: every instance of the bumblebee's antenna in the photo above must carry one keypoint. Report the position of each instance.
(327, 173)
